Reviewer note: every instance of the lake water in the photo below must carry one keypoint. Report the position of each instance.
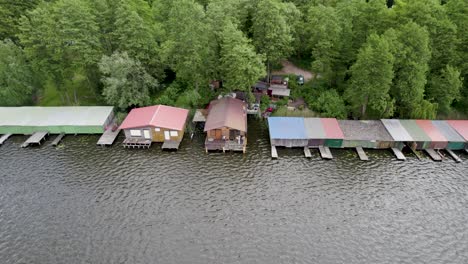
(80, 203)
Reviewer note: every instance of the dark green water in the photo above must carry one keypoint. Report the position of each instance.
(81, 203)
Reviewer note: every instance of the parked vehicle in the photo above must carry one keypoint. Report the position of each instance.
(300, 79)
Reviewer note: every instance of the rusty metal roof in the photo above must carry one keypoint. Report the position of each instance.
(227, 112)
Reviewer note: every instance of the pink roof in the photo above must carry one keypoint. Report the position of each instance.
(156, 116)
(430, 130)
(227, 112)
(332, 128)
(461, 126)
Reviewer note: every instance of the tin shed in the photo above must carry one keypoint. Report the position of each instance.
(438, 141)
(420, 139)
(365, 134)
(287, 132)
(461, 126)
(315, 132)
(396, 130)
(334, 135)
(454, 140)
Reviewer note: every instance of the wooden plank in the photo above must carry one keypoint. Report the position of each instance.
(453, 155)
(433, 155)
(58, 139)
(108, 137)
(274, 153)
(325, 152)
(362, 155)
(171, 144)
(4, 138)
(307, 152)
(399, 155)
(35, 138)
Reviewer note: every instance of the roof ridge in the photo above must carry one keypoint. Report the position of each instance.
(154, 114)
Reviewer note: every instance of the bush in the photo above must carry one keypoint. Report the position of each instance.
(329, 104)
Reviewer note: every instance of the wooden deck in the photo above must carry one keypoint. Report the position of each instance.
(325, 152)
(136, 143)
(36, 138)
(171, 144)
(225, 145)
(58, 139)
(362, 155)
(4, 138)
(433, 154)
(399, 155)
(108, 137)
(307, 152)
(274, 153)
(453, 155)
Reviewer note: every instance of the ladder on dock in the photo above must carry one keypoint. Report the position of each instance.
(453, 155)
(274, 153)
(362, 155)
(433, 154)
(4, 138)
(325, 152)
(399, 155)
(58, 139)
(108, 137)
(36, 138)
(307, 152)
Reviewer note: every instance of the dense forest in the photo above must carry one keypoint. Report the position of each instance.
(370, 59)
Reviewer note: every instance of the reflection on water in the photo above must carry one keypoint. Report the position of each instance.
(80, 203)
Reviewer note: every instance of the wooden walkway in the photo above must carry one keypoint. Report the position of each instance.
(136, 143)
(433, 154)
(307, 152)
(36, 138)
(171, 144)
(274, 153)
(325, 152)
(4, 138)
(362, 155)
(58, 139)
(453, 155)
(399, 155)
(108, 137)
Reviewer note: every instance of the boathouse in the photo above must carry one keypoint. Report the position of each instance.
(454, 140)
(323, 132)
(158, 123)
(366, 134)
(287, 132)
(28, 120)
(461, 126)
(437, 139)
(398, 132)
(226, 125)
(420, 139)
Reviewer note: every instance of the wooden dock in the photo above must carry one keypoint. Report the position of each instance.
(362, 155)
(399, 155)
(325, 152)
(4, 138)
(307, 152)
(433, 154)
(453, 155)
(136, 143)
(58, 139)
(274, 153)
(108, 137)
(36, 138)
(170, 144)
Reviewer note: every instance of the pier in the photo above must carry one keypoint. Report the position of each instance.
(362, 155)
(4, 138)
(58, 139)
(108, 138)
(453, 155)
(36, 138)
(433, 154)
(399, 155)
(325, 152)
(274, 153)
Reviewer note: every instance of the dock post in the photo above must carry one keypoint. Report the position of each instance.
(274, 153)
(453, 155)
(399, 155)
(307, 152)
(362, 155)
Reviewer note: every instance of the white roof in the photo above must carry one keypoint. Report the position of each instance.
(54, 116)
(280, 91)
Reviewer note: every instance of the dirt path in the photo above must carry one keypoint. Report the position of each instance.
(290, 68)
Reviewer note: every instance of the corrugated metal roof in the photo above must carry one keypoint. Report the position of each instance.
(280, 91)
(314, 128)
(227, 112)
(461, 126)
(415, 131)
(156, 116)
(431, 130)
(332, 129)
(54, 115)
(287, 128)
(396, 130)
(449, 133)
(370, 130)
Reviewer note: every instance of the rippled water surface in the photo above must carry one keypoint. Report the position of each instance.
(80, 203)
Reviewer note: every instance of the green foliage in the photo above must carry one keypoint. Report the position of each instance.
(16, 76)
(126, 82)
(329, 104)
(10, 13)
(265, 102)
(445, 88)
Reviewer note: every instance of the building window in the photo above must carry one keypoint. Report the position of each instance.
(157, 129)
(174, 134)
(135, 133)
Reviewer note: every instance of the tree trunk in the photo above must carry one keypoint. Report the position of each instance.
(74, 95)
(364, 107)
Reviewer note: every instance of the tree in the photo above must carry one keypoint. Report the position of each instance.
(16, 76)
(445, 88)
(272, 31)
(240, 66)
(61, 39)
(329, 104)
(10, 13)
(126, 83)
